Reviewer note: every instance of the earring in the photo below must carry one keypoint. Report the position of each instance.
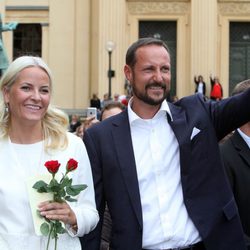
(6, 108)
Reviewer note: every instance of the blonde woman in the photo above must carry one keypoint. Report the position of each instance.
(31, 133)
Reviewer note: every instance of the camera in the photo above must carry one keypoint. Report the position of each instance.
(92, 112)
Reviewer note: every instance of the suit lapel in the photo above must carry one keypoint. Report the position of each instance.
(124, 149)
(241, 147)
(182, 132)
(179, 124)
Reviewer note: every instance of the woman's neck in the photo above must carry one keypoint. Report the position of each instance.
(25, 134)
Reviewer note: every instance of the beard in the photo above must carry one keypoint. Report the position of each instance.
(143, 96)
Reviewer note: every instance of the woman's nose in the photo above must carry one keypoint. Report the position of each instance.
(36, 95)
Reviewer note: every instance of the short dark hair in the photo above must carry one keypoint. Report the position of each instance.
(241, 87)
(111, 105)
(131, 57)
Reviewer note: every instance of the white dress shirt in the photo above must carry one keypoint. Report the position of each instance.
(20, 162)
(166, 223)
(245, 137)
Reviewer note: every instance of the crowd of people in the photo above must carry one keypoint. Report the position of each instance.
(79, 124)
(156, 174)
(216, 91)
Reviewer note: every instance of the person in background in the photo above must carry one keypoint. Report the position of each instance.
(216, 92)
(80, 131)
(235, 151)
(116, 97)
(33, 132)
(111, 109)
(157, 165)
(74, 123)
(105, 100)
(200, 85)
(95, 102)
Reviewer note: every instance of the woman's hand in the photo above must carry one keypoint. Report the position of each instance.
(58, 211)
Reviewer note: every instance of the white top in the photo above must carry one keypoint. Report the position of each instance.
(200, 87)
(166, 223)
(19, 162)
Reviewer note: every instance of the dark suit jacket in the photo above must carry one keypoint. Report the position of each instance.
(236, 157)
(206, 190)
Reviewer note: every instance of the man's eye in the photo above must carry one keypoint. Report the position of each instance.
(165, 69)
(148, 69)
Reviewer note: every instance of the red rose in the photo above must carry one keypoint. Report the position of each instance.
(71, 165)
(52, 166)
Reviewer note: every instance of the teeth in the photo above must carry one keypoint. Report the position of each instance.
(33, 107)
(155, 87)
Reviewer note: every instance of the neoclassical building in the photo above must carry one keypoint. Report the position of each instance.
(204, 36)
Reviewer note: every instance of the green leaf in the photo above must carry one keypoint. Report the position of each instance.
(41, 186)
(54, 234)
(61, 193)
(57, 198)
(66, 182)
(59, 228)
(39, 214)
(54, 186)
(44, 228)
(75, 189)
(69, 198)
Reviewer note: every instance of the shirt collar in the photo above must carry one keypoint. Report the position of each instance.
(133, 116)
(245, 137)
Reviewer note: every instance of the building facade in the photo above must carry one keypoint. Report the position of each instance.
(204, 36)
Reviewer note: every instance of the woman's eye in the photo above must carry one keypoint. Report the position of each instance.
(45, 91)
(25, 88)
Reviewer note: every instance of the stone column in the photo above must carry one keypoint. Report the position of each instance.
(69, 42)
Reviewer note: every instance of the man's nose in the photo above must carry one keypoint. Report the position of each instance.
(158, 76)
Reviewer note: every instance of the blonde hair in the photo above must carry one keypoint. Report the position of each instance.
(54, 123)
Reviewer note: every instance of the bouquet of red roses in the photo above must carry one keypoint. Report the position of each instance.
(62, 191)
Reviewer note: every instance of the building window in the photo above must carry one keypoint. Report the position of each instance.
(27, 40)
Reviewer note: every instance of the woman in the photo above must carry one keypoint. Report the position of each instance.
(33, 132)
(216, 93)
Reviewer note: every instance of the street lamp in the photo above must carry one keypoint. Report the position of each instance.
(110, 46)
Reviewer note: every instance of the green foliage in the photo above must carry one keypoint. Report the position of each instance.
(41, 187)
(45, 228)
(62, 191)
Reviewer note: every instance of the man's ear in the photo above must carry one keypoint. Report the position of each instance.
(128, 72)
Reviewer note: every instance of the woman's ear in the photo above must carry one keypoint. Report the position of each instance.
(6, 94)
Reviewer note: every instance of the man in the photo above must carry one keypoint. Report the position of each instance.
(157, 164)
(235, 152)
